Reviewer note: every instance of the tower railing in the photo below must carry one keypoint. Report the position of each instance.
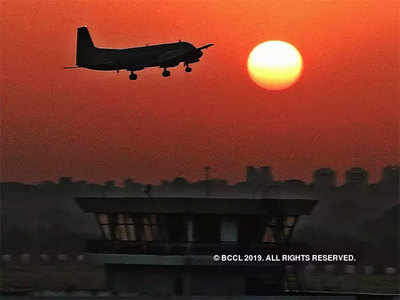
(181, 248)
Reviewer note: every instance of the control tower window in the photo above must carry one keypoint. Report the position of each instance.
(207, 228)
(154, 228)
(250, 230)
(269, 236)
(278, 229)
(105, 225)
(175, 226)
(229, 230)
(130, 227)
(121, 232)
(290, 223)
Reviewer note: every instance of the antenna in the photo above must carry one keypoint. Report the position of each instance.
(207, 177)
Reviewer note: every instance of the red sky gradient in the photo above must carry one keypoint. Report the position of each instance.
(344, 110)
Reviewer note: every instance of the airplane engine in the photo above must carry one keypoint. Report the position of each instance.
(194, 57)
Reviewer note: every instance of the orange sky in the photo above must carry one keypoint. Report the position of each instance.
(344, 110)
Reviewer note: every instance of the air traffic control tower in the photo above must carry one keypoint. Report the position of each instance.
(167, 246)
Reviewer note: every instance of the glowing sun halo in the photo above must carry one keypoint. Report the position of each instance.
(274, 65)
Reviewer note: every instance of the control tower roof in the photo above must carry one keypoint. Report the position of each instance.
(187, 205)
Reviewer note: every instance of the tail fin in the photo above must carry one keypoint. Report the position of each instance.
(84, 46)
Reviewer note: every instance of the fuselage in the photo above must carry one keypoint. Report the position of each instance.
(140, 57)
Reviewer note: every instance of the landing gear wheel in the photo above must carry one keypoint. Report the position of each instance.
(166, 73)
(188, 69)
(132, 76)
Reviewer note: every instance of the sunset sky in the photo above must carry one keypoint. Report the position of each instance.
(343, 112)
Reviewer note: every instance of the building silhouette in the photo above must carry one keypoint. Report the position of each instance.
(391, 175)
(258, 176)
(175, 246)
(324, 178)
(356, 176)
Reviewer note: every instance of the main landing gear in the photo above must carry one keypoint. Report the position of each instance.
(187, 68)
(166, 73)
(132, 76)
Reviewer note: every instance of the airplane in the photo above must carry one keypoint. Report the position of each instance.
(134, 59)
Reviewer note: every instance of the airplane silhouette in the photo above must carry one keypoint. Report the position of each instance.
(133, 59)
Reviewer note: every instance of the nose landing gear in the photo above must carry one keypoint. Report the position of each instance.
(132, 76)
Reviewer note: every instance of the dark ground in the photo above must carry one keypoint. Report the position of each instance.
(81, 276)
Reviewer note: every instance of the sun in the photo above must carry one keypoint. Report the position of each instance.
(274, 65)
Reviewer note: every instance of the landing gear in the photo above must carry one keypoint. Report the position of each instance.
(166, 73)
(132, 76)
(187, 69)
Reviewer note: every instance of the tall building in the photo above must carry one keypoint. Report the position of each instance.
(391, 174)
(357, 176)
(324, 178)
(175, 246)
(259, 176)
